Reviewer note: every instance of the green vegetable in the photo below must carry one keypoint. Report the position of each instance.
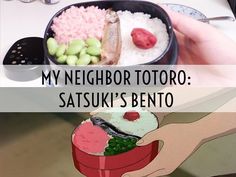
(111, 144)
(107, 153)
(71, 60)
(78, 42)
(74, 49)
(112, 141)
(133, 141)
(93, 42)
(117, 145)
(124, 141)
(108, 149)
(62, 59)
(130, 146)
(52, 46)
(83, 51)
(84, 60)
(112, 153)
(123, 149)
(118, 140)
(95, 51)
(94, 59)
(61, 50)
(115, 149)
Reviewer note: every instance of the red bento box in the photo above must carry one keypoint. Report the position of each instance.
(116, 165)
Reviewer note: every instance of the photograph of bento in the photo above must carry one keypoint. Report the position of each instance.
(105, 143)
(110, 33)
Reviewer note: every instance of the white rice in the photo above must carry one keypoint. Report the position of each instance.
(130, 54)
(146, 123)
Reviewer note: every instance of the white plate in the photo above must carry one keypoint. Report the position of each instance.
(186, 10)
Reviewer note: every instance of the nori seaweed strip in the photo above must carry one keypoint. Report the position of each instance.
(111, 129)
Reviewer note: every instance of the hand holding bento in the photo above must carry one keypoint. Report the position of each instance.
(180, 140)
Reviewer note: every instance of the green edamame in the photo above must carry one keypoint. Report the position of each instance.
(94, 59)
(62, 59)
(78, 42)
(83, 51)
(84, 60)
(93, 42)
(71, 60)
(61, 50)
(95, 51)
(74, 49)
(52, 46)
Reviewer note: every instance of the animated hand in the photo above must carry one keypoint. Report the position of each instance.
(180, 141)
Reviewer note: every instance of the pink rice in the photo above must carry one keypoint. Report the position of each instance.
(79, 23)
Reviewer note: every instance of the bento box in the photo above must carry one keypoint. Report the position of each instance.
(105, 144)
(111, 32)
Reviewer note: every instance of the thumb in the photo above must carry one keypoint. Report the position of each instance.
(149, 138)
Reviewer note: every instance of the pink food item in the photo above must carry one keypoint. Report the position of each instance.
(143, 39)
(131, 115)
(90, 138)
(79, 23)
